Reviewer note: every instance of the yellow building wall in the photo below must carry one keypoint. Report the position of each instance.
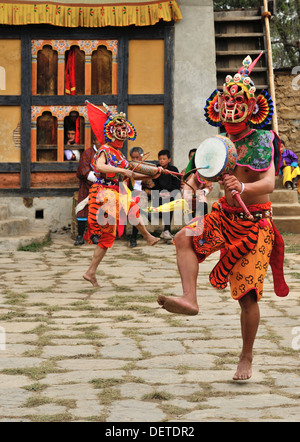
(146, 76)
(146, 67)
(149, 124)
(10, 67)
(10, 116)
(10, 134)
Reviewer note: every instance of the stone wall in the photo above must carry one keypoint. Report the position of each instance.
(194, 76)
(288, 108)
(54, 213)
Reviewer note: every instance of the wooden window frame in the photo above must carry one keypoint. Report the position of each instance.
(162, 31)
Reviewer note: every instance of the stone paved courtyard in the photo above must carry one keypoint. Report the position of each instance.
(70, 352)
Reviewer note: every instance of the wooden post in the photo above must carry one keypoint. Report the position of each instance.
(61, 75)
(60, 141)
(87, 135)
(266, 16)
(88, 75)
(33, 141)
(34, 75)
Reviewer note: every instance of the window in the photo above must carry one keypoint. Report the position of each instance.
(130, 69)
(102, 71)
(46, 81)
(68, 67)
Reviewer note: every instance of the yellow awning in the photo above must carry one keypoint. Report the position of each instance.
(88, 13)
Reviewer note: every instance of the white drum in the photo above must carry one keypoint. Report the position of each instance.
(215, 157)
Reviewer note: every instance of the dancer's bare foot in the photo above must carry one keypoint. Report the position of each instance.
(152, 240)
(244, 369)
(178, 305)
(91, 279)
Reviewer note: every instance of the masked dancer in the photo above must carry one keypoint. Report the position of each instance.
(110, 201)
(247, 246)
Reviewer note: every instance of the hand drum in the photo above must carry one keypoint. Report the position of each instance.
(215, 157)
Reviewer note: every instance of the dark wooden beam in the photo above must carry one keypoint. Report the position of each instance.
(66, 166)
(10, 167)
(25, 111)
(123, 58)
(168, 80)
(37, 193)
(10, 100)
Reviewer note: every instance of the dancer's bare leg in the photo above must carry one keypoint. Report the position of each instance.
(150, 239)
(250, 317)
(90, 274)
(188, 267)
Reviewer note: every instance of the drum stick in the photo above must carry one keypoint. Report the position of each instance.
(236, 195)
(238, 198)
(166, 171)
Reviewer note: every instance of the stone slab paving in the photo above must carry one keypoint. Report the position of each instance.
(70, 352)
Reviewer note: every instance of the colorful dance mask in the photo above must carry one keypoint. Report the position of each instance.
(236, 107)
(110, 126)
(117, 127)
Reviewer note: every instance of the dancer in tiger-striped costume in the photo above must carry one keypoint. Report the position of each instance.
(110, 198)
(247, 246)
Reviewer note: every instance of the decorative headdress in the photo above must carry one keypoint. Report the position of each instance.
(262, 112)
(109, 126)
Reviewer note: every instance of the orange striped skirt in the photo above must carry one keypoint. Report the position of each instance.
(245, 246)
(108, 210)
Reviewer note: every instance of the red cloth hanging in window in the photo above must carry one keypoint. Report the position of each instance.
(70, 74)
(77, 135)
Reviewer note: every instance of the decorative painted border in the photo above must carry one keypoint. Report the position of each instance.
(93, 15)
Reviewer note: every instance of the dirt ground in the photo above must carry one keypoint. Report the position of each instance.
(292, 242)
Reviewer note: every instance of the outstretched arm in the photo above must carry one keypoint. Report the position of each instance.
(102, 167)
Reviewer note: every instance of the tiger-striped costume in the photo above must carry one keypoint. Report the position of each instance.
(110, 201)
(246, 248)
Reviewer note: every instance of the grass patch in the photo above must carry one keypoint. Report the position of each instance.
(34, 373)
(123, 318)
(172, 410)
(63, 417)
(90, 333)
(36, 401)
(108, 395)
(15, 298)
(36, 387)
(106, 383)
(83, 306)
(292, 242)
(158, 396)
(36, 246)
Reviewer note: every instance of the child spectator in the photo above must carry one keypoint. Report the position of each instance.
(166, 184)
(136, 154)
(289, 167)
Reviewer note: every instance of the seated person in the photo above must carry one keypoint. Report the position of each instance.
(166, 184)
(289, 167)
(145, 186)
(71, 134)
